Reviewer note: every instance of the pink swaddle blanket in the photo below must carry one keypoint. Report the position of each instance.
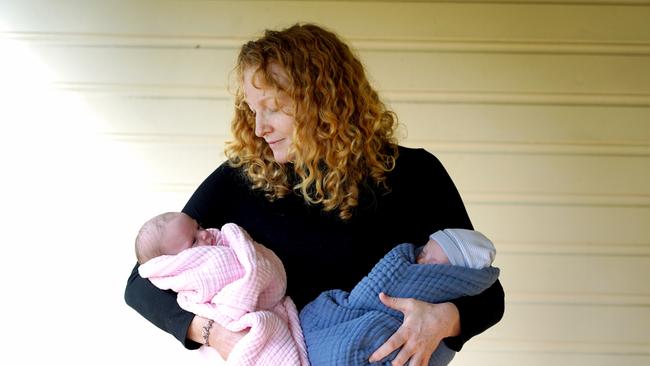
(239, 284)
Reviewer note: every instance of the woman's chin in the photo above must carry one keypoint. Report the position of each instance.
(281, 157)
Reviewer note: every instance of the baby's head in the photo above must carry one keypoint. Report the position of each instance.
(170, 233)
(458, 247)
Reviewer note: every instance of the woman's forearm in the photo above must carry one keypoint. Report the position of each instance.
(195, 330)
(453, 319)
(477, 313)
(159, 307)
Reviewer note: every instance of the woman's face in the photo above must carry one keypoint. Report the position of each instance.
(272, 109)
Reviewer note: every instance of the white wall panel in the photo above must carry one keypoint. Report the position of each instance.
(536, 73)
(132, 66)
(594, 325)
(572, 276)
(564, 22)
(146, 117)
(562, 224)
(551, 174)
(594, 126)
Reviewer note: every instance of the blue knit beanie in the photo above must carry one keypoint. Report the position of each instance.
(466, 248)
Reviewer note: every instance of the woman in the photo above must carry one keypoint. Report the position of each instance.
(315, 173)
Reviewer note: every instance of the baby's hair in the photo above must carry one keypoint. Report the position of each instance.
(147, 242)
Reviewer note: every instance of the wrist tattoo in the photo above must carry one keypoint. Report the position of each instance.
(206, 332)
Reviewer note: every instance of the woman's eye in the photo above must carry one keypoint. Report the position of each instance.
(271, 110)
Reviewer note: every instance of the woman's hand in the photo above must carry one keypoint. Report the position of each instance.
(424, 326)
(224, 340)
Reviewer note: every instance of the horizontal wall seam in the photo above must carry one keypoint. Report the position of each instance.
(619, 148)
(400, 96)
(557, 199)
(498, 198)
(526, 46)
(518, 98)
(547, 2)
(589, 299)
(138, 90)
(573, 248)
(486, 345)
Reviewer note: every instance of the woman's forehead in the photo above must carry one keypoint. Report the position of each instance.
(255, 77)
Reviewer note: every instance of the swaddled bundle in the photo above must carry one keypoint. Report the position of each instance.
(239, 284)
(343, 328)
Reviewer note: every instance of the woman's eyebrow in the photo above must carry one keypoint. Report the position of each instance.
(263, 101)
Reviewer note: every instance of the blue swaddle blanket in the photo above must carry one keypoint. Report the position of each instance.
(343, 328)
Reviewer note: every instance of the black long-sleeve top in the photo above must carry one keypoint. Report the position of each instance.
(322, 252)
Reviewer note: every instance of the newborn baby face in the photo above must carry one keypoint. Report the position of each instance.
(432, 253)
(183, 232)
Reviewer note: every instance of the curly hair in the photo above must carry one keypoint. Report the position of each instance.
(343, 133)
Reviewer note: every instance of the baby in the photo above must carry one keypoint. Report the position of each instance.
(453, 263)
(225, 276)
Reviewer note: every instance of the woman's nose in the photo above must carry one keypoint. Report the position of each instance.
(261, 125)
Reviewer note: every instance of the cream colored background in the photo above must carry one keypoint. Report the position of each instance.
(112, 111)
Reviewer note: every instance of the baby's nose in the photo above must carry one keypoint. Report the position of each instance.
(205, 237)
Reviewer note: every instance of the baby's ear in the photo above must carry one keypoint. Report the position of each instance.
(419, 256)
